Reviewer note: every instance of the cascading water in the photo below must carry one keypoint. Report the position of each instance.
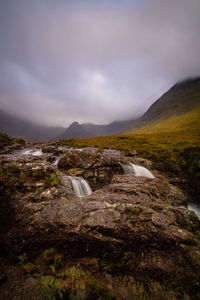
(136, 170)
(36, 152)
(56, 161)
(80, 186)
(194, 207)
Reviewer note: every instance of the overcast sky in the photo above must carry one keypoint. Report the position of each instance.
(94, 60)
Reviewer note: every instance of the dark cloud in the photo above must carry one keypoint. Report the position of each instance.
(94, 61)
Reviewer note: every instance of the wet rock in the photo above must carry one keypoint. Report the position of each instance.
(136, 222)
(132, 214)
(29, 180)
(142, 162)
(131, 153)
(148, 187)
(52, 150)
(66, 182)
(97, 167)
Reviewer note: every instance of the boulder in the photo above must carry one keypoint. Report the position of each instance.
(97, 167)
(29, 179)
(132, 215)
(135, 223)
(131, 153)
(143, 188)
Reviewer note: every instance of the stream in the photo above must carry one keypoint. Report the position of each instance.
(194, 206)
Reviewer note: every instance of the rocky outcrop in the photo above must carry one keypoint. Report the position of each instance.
(135, 224)
(147, 188)
(133, 214)
(98, 167)
(29, 179)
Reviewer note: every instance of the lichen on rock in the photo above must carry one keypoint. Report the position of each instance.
(137, 230)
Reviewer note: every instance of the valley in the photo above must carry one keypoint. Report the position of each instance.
(66, 240)
(106, 217)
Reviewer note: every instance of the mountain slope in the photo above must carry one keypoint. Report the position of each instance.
(187, 122)
(74, 130)
(17, 127)
(182, 98)
(93, 130)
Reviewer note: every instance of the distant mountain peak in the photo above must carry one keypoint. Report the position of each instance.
(75, 123)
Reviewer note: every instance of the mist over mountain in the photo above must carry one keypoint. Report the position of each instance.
(17, 127)
(181, 98)
(92, 130)
(93, 61)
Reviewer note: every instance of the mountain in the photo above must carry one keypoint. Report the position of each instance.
(177, 108)
(75, 130)
(93, 130)
(182, 98)
(17, 127)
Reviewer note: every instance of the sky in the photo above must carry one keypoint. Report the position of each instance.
(94, 61)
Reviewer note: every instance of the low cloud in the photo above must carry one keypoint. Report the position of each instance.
(93, 61)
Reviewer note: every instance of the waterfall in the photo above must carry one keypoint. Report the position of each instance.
(194, 207)
(36, 152)
(136, 170)
(56, 161)
(80, 186)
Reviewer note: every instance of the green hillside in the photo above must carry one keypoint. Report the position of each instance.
(175, 152)
(180, 99)
(189, 121)
(172, 144)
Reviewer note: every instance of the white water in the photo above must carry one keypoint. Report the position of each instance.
(194, 207)
(37, 152)
(80, 186)
(137, 170)
(56, 161)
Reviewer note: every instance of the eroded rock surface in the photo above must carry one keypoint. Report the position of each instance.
(98, 167)
(133, 219)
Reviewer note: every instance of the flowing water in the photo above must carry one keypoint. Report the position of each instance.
(80, 186)
(194, 206)
(56, 161)
(137, 170)
(36, 152)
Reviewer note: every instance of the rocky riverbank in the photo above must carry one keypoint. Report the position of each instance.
(132, 238)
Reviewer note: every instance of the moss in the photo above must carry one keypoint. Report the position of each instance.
(13, 179)
(5, 140)
(34, 174)
(48, 252)
(52, 180)
(73, 279)
(10, 181)
(98, 290)
(133, 210)
(190, 167)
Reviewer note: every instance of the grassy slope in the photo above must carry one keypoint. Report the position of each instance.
(187, 122)
(174, 134)
(173, 145)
